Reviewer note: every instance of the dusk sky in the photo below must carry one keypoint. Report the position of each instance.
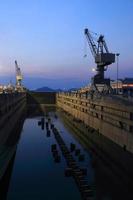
(46, 37)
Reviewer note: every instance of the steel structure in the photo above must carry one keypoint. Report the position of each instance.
(18, 75)
(102, 57)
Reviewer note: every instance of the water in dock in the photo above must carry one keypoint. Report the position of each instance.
(47, 164)
(36, 174)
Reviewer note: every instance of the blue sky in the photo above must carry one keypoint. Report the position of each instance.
(46, 37)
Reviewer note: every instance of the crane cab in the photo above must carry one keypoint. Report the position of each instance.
(105, 59)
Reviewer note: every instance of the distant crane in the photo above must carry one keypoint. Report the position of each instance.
(19, 77)
(102, 57)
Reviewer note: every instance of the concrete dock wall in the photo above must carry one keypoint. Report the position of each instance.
(11, 109)
(110, 116)
(12, 113)
(41, 98)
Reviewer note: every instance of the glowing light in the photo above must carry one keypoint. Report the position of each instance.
(127, 85)
(93, 69)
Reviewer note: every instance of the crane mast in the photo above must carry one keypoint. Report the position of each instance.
(18, 75)
(101, 56)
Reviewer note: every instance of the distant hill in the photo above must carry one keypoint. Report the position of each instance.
(47, 89)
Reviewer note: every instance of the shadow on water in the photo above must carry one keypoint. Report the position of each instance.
(37, 168)
(4, 182)
(7, 156)
(109, 182)
(39, 110)
(36, 173)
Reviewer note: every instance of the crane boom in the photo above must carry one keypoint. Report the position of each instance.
(91, 43)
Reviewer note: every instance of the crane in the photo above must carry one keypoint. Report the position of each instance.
(101, 56)
(19, 77)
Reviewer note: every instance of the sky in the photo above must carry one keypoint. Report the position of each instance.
(47, 39)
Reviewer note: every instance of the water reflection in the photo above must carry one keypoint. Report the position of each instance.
(35, 174)
(39, 170)
(7, 157)
(5, 180)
